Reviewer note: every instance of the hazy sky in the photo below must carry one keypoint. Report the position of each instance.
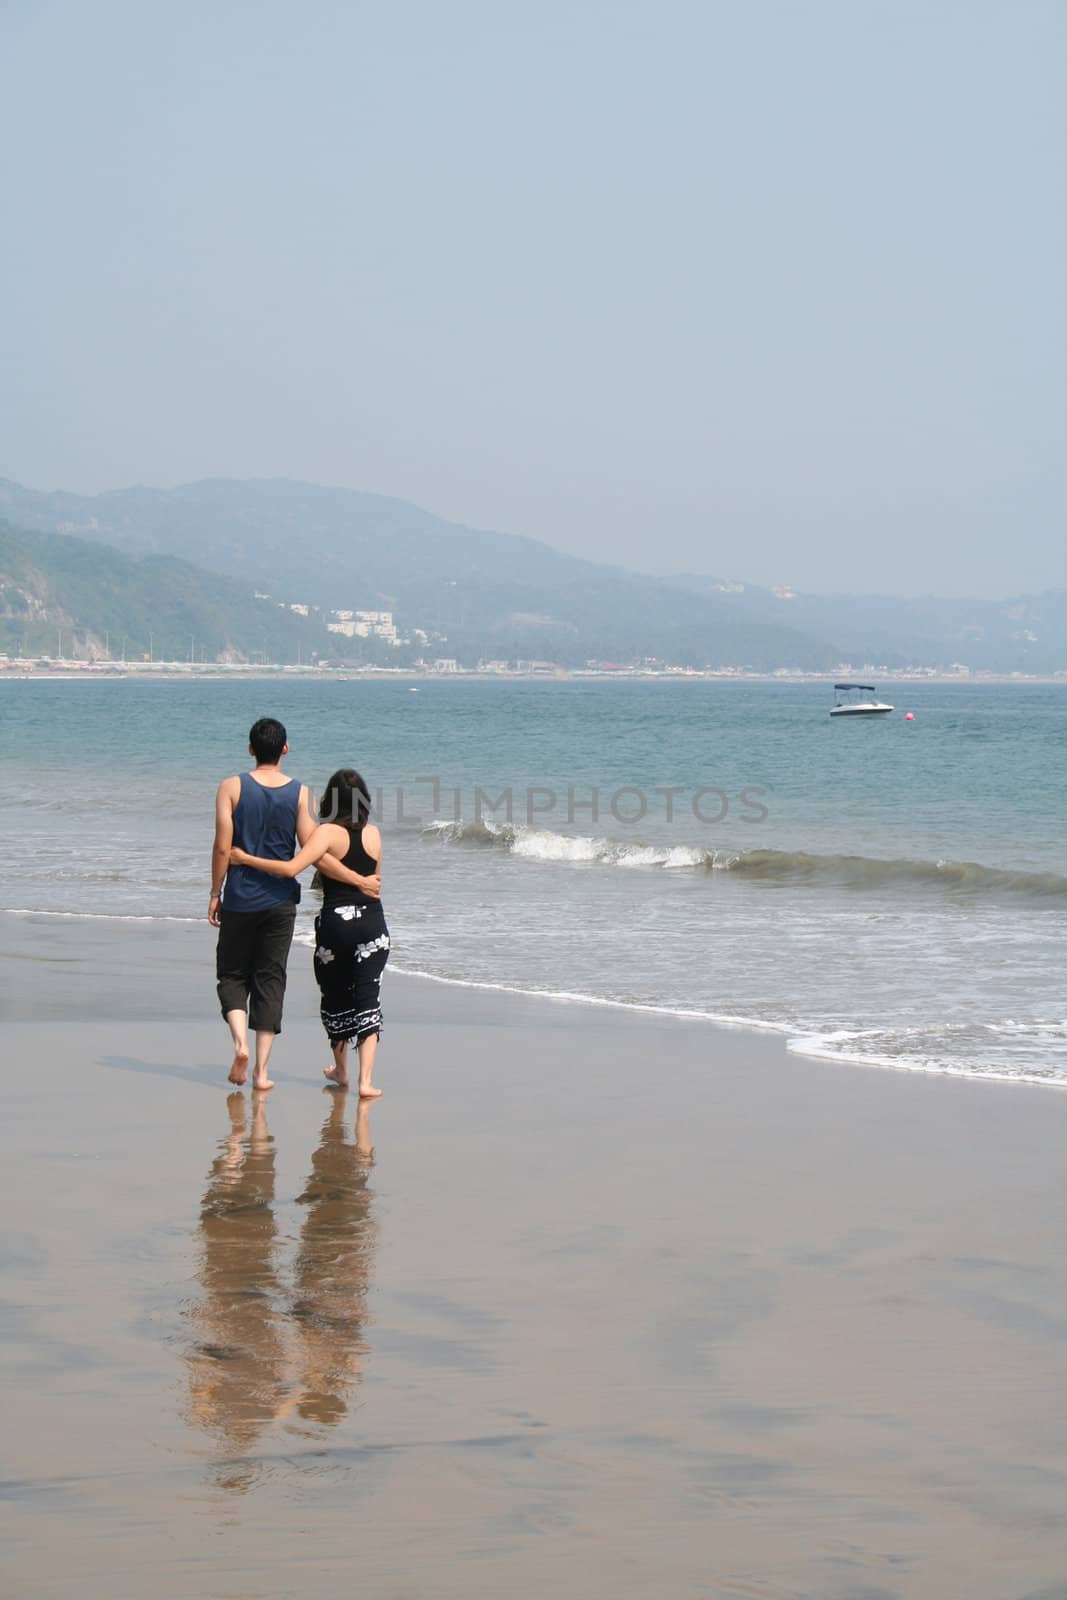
(758, 288)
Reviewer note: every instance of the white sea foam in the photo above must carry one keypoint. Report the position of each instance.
(545, 844)
(830, 1047)
(833, 1045)
(796, 867)
(576, 997)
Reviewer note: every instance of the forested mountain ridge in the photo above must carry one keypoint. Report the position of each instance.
(63, 595)
(483, 594)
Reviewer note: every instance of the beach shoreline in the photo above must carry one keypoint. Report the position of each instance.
(113, 671)
(118, 937)
(626, 1304)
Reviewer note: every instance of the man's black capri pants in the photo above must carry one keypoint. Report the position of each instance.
(250, 962)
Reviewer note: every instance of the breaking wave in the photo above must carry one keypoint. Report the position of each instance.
(770, 866)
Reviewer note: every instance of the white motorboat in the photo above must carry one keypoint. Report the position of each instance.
(857, 700)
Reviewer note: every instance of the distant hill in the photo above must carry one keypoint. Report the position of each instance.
(490, 594)
(497, 595)
(56, 590)
(1026, 633)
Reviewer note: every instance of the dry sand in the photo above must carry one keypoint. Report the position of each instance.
(619, 1306)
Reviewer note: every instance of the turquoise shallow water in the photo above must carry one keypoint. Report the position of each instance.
(881, 891)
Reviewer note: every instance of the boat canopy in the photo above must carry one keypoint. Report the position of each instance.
(869, 687)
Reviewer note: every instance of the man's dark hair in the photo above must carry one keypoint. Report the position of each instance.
(267, 738)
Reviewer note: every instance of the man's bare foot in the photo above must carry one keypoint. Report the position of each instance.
(261, 1085)
(239, 1070)
(369, 1093)
(337, 1079)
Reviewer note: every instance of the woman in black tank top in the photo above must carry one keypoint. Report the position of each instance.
(352, 940)
(359, 862)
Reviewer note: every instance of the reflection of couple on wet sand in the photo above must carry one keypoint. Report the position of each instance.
(265, 1350)
(259, 815)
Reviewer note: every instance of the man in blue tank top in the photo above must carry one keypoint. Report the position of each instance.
(263, 812)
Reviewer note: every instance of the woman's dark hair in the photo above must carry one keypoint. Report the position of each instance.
(345, 799)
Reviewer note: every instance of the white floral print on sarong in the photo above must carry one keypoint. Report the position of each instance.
(351, 950)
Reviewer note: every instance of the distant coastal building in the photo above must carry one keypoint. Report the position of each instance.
(446, 664)
(301, 611)
(376, 624)
(364, 625)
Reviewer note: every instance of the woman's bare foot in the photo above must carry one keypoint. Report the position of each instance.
(239, 1070)
(261, 1085)
(368, 1049)
(338, 1073)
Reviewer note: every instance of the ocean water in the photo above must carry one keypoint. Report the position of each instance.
(891, 894)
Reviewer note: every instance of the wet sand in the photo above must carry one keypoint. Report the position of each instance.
(590, 1303)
